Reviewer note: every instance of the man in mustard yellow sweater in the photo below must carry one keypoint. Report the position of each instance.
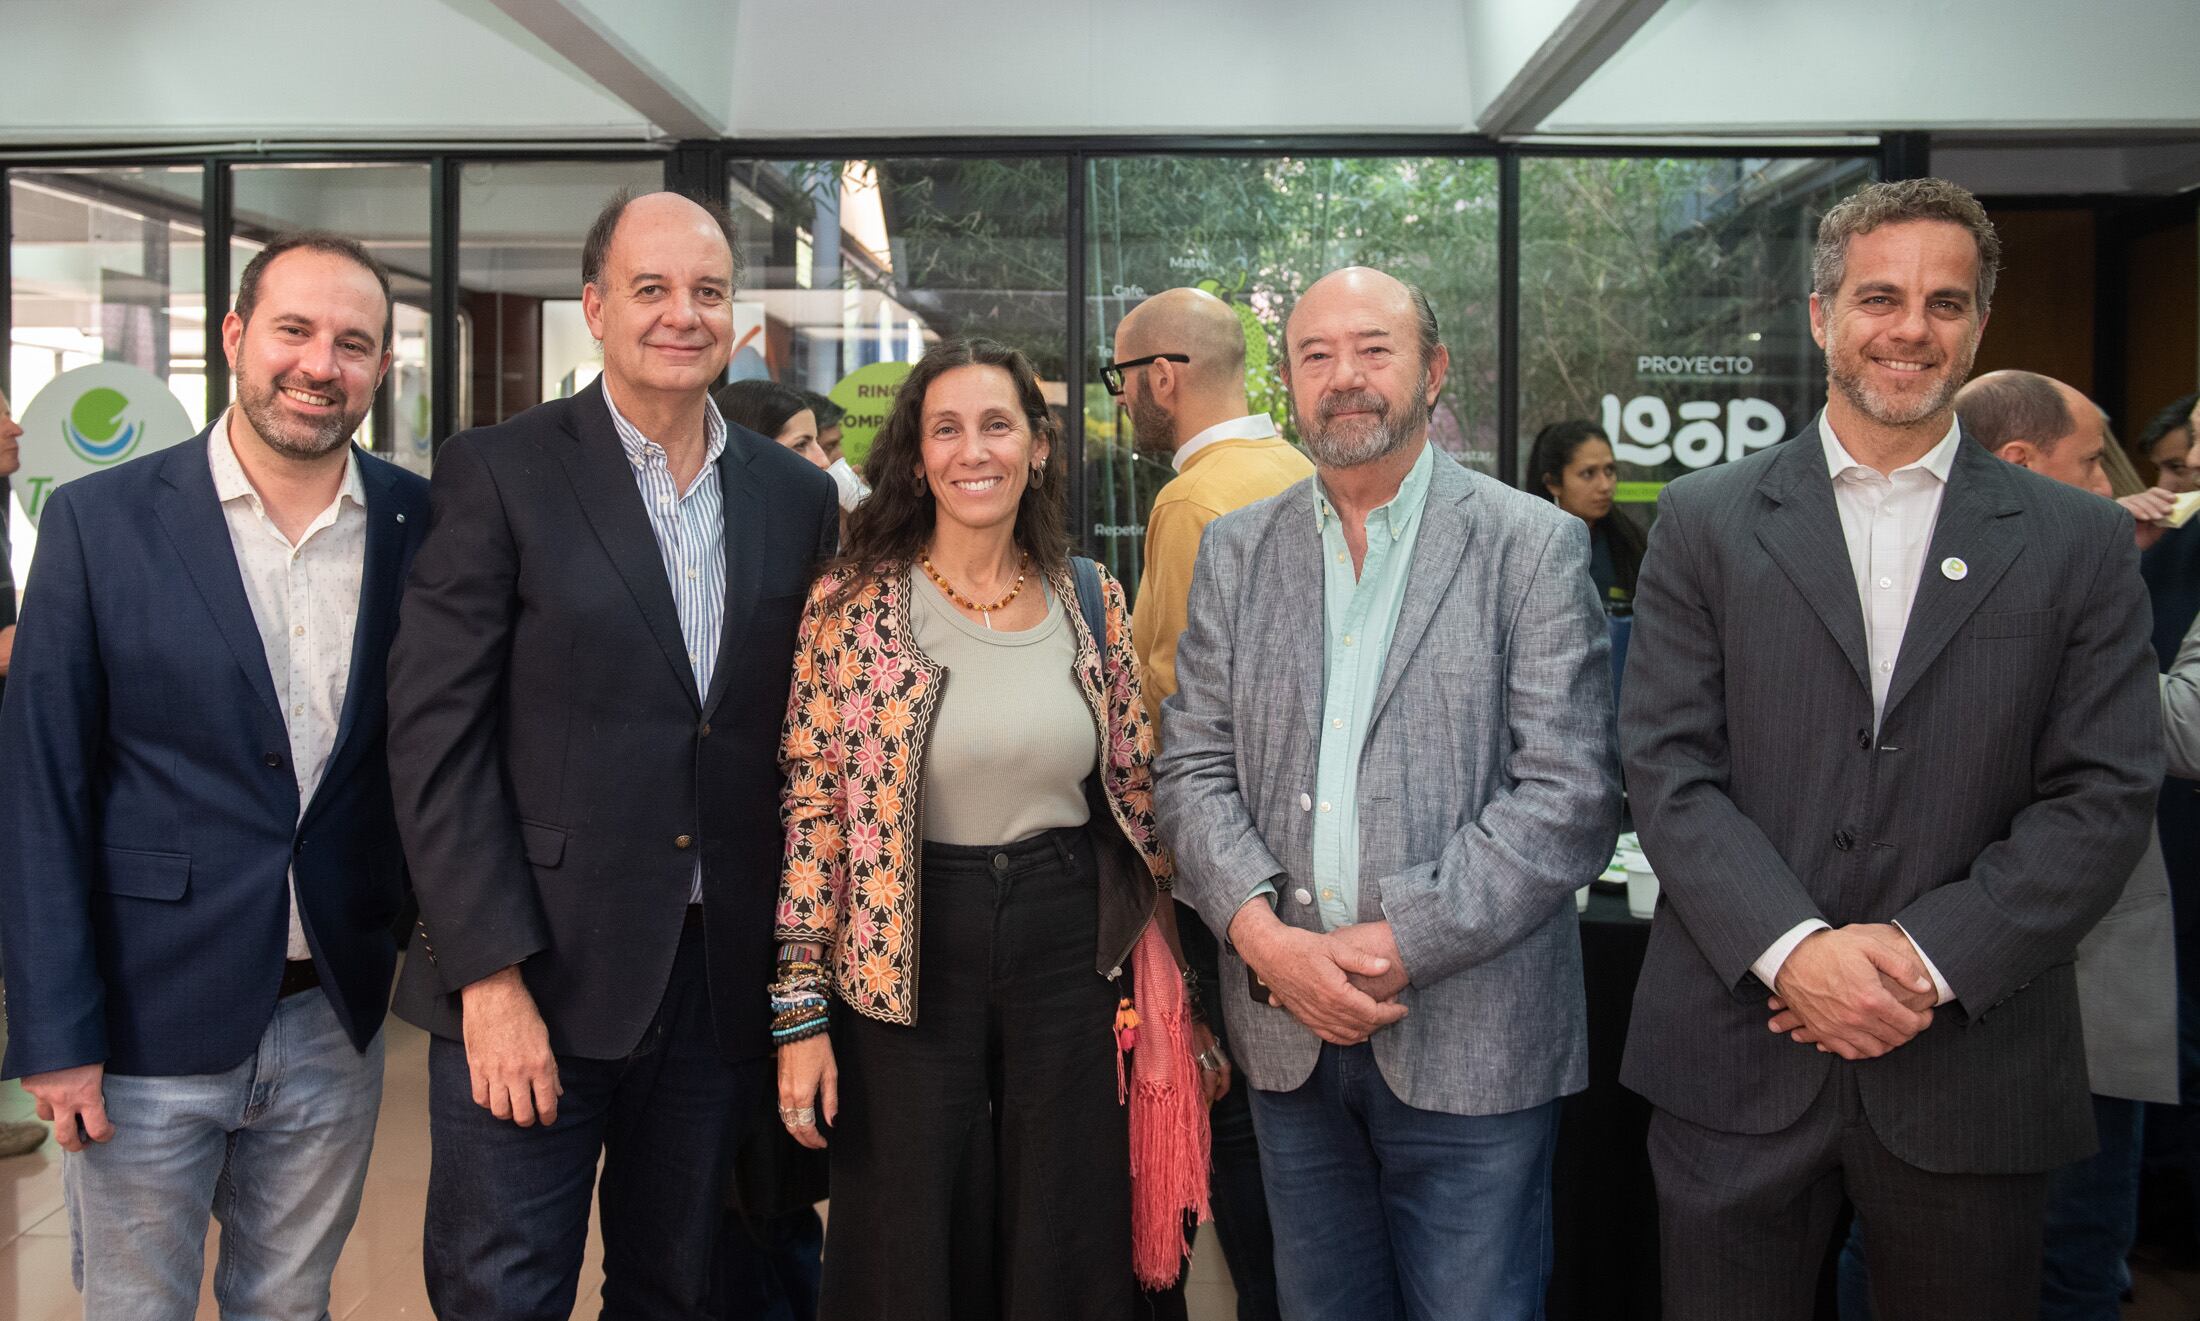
(1180, 371)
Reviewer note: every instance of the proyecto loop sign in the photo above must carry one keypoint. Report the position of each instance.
(92, 418)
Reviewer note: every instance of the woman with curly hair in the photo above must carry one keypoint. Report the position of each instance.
(971, 880)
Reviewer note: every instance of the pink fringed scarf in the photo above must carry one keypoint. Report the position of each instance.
(1168, 1112)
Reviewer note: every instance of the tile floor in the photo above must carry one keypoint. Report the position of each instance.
(378, 1278)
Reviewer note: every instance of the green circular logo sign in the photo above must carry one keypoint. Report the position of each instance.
(95, 429)
(92, 418)
(868, 395)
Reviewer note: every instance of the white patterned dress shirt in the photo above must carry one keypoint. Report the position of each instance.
(1887, 520)
(305, 599)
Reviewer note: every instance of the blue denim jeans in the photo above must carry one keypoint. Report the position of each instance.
(275, 1149)
(1383, 1212)
(2092, 1217)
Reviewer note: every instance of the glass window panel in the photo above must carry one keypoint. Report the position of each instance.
(386, 207)
(522, 340)
(1256, 231)
(108, 265)
(849, 264)
(1668, 301)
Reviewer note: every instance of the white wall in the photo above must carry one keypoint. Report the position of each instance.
(81, 71)
(1808, 66)
(686, 44)
(815, 67)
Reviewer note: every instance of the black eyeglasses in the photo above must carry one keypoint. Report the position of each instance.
(1111, 375)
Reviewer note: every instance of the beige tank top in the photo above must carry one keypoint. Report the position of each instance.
(1012, 740)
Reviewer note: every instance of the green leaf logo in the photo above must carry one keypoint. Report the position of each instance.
(95, 429)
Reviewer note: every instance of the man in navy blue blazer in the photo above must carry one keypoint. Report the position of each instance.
(199, 869)
(585, 706)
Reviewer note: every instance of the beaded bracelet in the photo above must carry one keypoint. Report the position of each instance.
(798, 1025)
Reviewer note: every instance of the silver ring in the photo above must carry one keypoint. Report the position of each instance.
(798, 1117)
(1210, 1060)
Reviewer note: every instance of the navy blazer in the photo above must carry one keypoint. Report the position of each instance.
(557, 772)
(148, 809)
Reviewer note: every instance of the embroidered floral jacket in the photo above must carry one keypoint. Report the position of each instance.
(858, 720)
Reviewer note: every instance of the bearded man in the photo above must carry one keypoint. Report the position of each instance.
(1892, 745)
(199, 868)
(1386, 768)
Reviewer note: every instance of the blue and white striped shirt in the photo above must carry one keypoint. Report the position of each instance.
(690, 527)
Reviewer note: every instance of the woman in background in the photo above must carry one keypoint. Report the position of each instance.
(771, 409)
(1572, 465)
(2164, 447)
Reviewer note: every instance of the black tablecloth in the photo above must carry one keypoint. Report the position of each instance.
(1604, 1205)
(1604, 1208)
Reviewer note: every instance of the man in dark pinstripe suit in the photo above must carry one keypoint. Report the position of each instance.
(1890, 735)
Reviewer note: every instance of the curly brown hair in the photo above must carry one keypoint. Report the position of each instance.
(890, 529)
(1891, 203)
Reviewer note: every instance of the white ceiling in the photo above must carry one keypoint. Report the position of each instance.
(83, 73)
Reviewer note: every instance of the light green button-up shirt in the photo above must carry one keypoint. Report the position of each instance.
(1359, 616)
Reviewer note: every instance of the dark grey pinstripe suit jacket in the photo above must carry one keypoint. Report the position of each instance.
(1996, 815)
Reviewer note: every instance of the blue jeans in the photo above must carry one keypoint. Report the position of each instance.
(508, 1206)
(275, 1149)
(1382, 1211)
(2092, 1217)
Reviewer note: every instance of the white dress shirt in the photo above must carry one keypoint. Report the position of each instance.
(1887, 520)
(1253, 426)
(305, 598)
(852, 490)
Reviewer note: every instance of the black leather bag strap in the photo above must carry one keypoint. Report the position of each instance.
(1093, 603)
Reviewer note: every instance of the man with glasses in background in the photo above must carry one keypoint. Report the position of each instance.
(1182, 380)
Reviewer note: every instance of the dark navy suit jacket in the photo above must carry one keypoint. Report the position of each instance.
(148, 808)
(557, 772)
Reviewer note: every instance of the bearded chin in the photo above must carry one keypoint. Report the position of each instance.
(1890, 411)
(1332, 447)
(285, 436)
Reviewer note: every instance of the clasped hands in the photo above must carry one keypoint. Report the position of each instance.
(1855, 991)
(1343, 984)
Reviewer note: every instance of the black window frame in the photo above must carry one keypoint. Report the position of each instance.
(699, 168)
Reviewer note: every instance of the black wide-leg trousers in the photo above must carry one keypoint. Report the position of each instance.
(980, 1164)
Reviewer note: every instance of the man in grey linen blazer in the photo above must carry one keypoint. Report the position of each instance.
(1406, 1157)
(1908, 818)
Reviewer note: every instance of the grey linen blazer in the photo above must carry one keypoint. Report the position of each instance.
(1996, 815)
(1488, 784)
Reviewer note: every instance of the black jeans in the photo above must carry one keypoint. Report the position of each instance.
(508, 1206)
(981, 1162)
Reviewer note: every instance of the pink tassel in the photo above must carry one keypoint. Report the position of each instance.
(1169, 1151)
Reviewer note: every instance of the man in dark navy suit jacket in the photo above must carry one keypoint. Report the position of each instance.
(585, 703)
(198, 865)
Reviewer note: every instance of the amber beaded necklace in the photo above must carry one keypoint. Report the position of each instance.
(985, 612)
